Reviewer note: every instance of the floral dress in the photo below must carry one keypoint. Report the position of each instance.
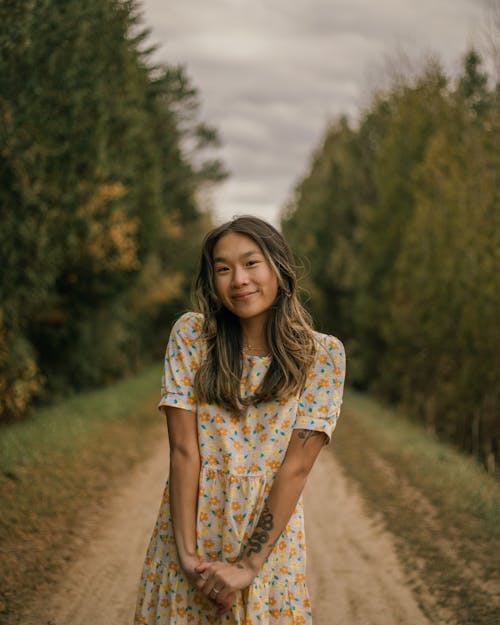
(239, 460)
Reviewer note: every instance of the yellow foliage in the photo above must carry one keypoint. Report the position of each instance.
(156, 287)
(19, 381)
(112, 234)
(171, 226)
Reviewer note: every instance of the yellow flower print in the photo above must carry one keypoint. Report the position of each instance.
(272, 601)
(173, 566)
(219, 513)
(181, 611)
(256, 605)
(273, 464)
(284, 570)
(228, 548)
(214, 501)
(218, 418)
(221, 431)
(235, 505)
(203, 516)
(300, 577)
(246, 429)
(263, 437)
(309, 397)
(204, 417)
(237, 445)
(151, 577)
(306, 603)
(164, 603)
(212, 460)
(163, 526)
(323, 359)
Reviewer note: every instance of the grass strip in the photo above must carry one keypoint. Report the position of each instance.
(442, 508)
(55, 467)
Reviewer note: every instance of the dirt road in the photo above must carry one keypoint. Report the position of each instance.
(354, 575)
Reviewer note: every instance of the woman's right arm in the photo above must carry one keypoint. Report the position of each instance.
(184, 478)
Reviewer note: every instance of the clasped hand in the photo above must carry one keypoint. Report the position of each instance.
(220, 581)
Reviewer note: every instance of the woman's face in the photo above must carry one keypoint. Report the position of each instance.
(244, 279)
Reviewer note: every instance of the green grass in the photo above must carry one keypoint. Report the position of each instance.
(57, 467)
(65, 427)
(449, 477)
(441, 507)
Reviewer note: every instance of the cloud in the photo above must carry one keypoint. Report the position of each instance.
(272, 73)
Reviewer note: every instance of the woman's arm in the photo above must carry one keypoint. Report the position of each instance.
(288, 485)
(184, 478)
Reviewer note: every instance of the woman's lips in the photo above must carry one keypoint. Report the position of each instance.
(243, 296)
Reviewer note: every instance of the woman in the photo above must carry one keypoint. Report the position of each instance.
(251, 394)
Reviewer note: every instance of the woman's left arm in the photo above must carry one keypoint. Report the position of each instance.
(303, 449)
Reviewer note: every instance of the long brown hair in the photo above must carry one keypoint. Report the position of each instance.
(289, 331)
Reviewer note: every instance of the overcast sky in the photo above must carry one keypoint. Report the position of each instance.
(272, 73)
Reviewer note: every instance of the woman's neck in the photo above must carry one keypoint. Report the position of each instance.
(254, 336)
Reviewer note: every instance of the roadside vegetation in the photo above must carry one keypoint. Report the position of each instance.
(59, 466)
(442, 507)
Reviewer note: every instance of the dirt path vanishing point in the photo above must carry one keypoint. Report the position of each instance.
(354, 575)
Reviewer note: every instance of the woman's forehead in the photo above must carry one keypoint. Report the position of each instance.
(234, 245)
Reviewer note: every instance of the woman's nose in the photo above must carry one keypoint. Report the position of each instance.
(239, 277)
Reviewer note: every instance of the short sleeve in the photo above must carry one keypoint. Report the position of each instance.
(182, 360)
(319, 403)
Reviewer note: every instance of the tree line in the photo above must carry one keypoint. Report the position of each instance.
(398, 219)
(102, 164)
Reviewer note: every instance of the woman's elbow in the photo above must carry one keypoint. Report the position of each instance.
(185, 455)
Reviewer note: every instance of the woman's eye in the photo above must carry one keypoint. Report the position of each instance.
(221, 269)
(252, 262)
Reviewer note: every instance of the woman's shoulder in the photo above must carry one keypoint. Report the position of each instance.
(328, 346)
(189, 326)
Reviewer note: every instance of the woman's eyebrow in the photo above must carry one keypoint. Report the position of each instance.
(221, 259)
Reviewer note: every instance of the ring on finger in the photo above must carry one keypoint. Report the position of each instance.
(202, 577)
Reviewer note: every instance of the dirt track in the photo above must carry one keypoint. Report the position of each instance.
(354, 575)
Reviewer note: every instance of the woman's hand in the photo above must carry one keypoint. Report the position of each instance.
(220, 581)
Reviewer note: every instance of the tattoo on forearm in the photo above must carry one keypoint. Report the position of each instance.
(305, 435)
(261, 534)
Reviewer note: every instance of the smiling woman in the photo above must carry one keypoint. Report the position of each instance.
(251, 393)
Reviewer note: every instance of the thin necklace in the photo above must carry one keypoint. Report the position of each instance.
(247, 348)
